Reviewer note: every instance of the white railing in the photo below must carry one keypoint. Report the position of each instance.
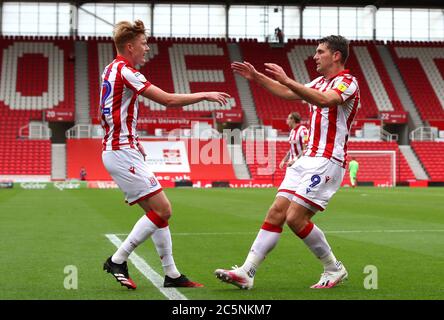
(79, 131)
(424, 134)
(36, 130)
(387, 136)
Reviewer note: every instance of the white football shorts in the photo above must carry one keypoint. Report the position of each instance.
(311, 182)
(131, 174)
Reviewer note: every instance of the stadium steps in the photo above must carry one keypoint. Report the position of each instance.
(81, 88)
(373, 77)
(400, 87)
(238, 160)
(414, 163)
(243, 88)
(58, 161)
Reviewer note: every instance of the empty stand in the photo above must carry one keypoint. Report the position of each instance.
(379, 81)
(263, 159)
(371, 170)
(37, 74)
(431, 155)
(268, 106)
(422, 68)
(22, 157)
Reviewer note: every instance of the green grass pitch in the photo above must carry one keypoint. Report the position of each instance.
(399, 230)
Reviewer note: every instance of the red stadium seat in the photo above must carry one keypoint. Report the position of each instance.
(379, 169)
(55, 54)
(416, 75)
(30, 84)
(430, 154)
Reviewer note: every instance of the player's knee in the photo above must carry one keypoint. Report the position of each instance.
(277, 210)
(164, 212)
(290, 219)
(296, 222)
(276, 215)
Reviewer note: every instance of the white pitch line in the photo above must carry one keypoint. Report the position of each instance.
(330, 232)
(148, 272)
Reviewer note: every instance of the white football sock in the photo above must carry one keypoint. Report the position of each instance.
(317, 243)
(164, 246)
(330, 262)
(142, 230)
(266, 239)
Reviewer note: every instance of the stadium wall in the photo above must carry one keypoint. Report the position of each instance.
(208, 160)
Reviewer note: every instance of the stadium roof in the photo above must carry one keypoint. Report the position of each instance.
(378, 3)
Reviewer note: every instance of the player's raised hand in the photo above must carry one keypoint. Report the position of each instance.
(244, 69)
(219, 97)
(277, 72)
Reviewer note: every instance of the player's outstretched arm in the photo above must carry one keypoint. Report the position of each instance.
(247, 70)
(325, 99)
(177, 100)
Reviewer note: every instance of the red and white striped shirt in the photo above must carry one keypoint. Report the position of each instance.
(330, 126)
(298, 139)
(121, 84)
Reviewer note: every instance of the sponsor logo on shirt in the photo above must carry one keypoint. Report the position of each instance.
(343, 86)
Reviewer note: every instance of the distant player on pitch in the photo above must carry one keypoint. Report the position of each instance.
(297, 138)
(123, 156)
(353, 167)
(314, 178)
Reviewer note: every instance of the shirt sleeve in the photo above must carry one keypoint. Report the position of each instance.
(346, 87)
(134, 80)
(304, 135)
(312, 83)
